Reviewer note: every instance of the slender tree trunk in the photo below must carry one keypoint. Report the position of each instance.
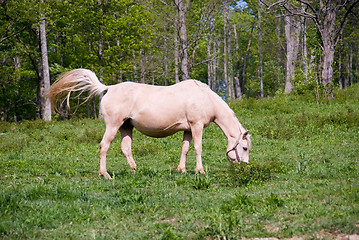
(246, 59)
(17, 65)
(209, 63)
(176, 53)
(260, 69)
(153, 77)
(94, 106)
(347, 76)
(182, 8)
(165, 50)
(229, 49)
(340, 68)
(355, 51)
(214, 65)
(350, 68)
(237, 85)
(304, 46)
(225, 60)
(45, 76)
(235, 36)
(120, 77)
(142, 65)
(88, 109)
(100, 54)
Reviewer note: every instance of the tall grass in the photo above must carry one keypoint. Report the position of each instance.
(302, 180)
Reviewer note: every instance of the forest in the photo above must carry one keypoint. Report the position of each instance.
(241, 49)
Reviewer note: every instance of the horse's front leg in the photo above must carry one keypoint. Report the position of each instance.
(126, 145)
(187, 138)
(197, 131)
(108, 137)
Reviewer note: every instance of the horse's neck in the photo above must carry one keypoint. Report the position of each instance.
(228, 123)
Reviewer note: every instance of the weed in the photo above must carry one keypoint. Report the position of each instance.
(201, 182)
(274, 201)
(302, 164)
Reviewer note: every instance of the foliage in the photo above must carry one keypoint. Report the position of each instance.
(127, 40)
(302, 180)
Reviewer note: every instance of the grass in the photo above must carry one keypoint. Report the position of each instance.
(302, 180)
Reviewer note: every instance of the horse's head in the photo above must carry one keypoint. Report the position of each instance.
(240, 151)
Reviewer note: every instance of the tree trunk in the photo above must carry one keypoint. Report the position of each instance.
(176, 53)
(94, 105)
(229, 55)
(165, 50)
(260, 68)
(142, 65)
(304, 46)
(350, 62)
(235, 36)
(329, 39)
(292, 30)
(245, 60)
(328, 59)
(225, 72)
(238, 91)
(17, 65)
(120, 77)
(182, 15)
(45, 76)
(209, 63)
(100, 55)
(215, 85)
(340, 69)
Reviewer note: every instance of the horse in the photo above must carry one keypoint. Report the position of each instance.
(156, 111)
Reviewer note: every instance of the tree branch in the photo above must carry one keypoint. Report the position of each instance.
(11, 35)
(343, 20)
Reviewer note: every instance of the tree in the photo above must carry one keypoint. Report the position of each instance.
(329, 18)
(260, 69)
(292, 31)
(45, 72)
(182, 8)
(129, 40)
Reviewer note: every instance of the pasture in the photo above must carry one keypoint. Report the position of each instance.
(302, 180)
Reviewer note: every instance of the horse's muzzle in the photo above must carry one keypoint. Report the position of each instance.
(238, 159)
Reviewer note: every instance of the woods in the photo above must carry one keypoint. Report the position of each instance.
(239, 48)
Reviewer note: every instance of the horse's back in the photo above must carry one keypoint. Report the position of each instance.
(159, 110)
(185, 92)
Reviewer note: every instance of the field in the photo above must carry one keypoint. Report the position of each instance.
(302, 180)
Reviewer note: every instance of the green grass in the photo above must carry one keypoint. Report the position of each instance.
(302, 180)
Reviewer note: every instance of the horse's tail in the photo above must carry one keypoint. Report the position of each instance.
(77, 80)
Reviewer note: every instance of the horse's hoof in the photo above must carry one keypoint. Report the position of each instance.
(182, 170)
(105, 174)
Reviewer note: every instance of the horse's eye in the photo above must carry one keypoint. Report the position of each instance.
(245, 149)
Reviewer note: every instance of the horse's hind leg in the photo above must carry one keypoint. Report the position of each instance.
(187, 137)
(126, 145)
(108, 137)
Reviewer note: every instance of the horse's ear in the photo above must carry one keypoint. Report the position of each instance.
(245, 135)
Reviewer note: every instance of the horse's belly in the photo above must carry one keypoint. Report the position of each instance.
(158, 129)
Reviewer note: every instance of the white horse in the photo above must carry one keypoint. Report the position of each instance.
(157, 111)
